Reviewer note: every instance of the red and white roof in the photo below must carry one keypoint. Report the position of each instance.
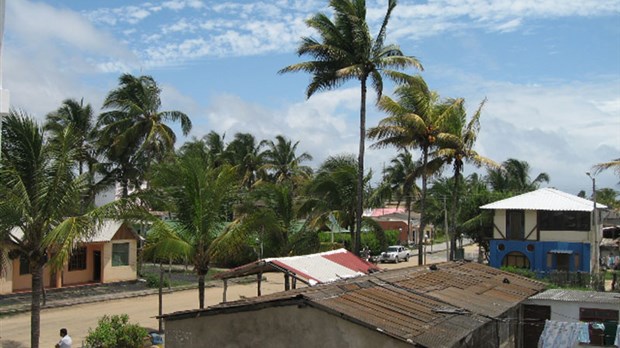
(317, 268)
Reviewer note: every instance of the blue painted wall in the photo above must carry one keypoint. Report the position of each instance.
(537, 253)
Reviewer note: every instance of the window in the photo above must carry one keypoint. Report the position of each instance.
(515, 224)
(24, 265)
(78, 259)
(564, 220)
(120, 254)
(516, 259)
(608, 317)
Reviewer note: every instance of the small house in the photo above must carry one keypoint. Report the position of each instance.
(109, 256)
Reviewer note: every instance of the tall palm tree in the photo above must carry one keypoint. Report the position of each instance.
(347, 51)
(514, 176)
(456, 148)
(134, 133)
(80, 117)
(282, 162)
(401, 175)
(200, 197)
(416, 120)
(245, 154)
(40, 201)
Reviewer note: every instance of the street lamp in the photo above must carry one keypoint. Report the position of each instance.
(595, 251)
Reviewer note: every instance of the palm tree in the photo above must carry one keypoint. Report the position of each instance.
(456, 148)
(401, 175)
(200, 197)
(134, 133)
(514, 177)
(416, 120)
(613, 164)
(40, 197)
(245, 155)
(346, 51)
(80, 117)
(283, 163)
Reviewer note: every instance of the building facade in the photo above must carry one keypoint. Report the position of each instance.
(544, 230)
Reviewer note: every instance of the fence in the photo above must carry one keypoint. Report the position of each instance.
(577, 279)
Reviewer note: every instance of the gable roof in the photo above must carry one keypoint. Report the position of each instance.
(545, 199)
(104, 233)
(417, 305)
(313, 269)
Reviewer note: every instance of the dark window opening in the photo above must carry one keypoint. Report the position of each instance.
(24, 265)
(516, 259)
(564, 220)
(78, 260)
(515, 224)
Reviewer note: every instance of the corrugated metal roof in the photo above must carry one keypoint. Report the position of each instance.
(105, 233)
(578, 296)
(545, 199)
(316, 268)
(416, 305)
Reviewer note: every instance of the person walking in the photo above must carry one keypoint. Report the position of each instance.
(614, 275)
(65, 339)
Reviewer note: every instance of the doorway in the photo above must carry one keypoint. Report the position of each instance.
(97, 265)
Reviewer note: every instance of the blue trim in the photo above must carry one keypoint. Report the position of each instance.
(538, 256)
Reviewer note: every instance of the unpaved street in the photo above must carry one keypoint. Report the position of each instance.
(15, 330)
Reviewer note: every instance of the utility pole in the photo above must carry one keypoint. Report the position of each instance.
(595, 247)
(4, 94)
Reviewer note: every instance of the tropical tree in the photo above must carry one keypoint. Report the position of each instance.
(401, 176)
(199, 196)
(245, 154)
(456, 148)
(613, 165)
(514, 176)
(347, 51)
(40, 201)
(133, 132)
(417, 119)
(282, 163)
(80, 117)
(609, 197)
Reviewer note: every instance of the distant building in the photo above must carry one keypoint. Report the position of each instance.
(109, 256)
(543, 230)
(451, 304)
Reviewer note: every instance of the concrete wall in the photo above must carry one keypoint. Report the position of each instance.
(82, 276)
(289, 326)
(6, 278)
(565, 236)
(119, 273)
(569, 311)
(24, 282)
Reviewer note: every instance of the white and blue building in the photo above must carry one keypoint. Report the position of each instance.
(544, 230)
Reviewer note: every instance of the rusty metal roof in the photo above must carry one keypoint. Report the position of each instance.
(416, 304)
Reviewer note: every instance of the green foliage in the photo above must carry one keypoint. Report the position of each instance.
(115, 331)
(525, 272)
(368, 239)
(152, 281)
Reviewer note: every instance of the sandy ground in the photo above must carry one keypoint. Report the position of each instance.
(15, 330)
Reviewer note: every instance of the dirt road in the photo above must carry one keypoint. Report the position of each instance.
(15, 330)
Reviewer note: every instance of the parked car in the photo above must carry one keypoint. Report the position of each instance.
(395, 253)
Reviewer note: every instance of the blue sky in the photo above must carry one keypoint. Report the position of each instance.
(550, 70)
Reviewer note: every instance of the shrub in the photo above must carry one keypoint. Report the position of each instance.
(152, 281)
(115, 331)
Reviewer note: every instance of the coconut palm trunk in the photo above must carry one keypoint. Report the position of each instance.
(201, 289)
(360, 171)
(35, 306)
(422, 208)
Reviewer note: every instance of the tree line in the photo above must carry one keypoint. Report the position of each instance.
(232, 201)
